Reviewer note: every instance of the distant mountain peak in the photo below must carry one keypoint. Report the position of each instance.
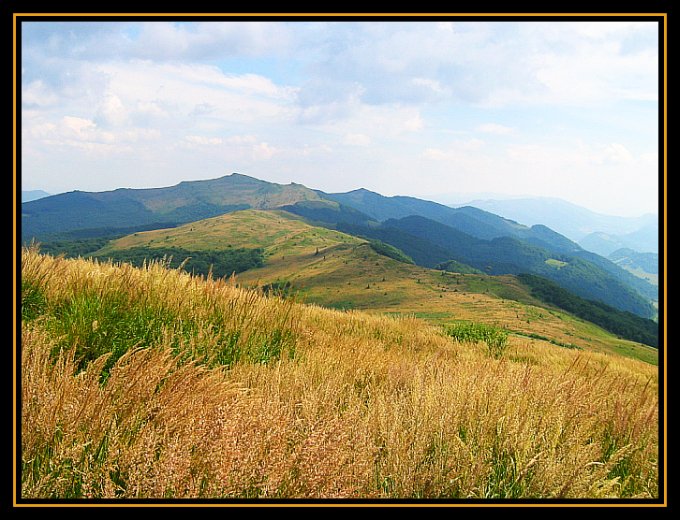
(365, 192)
(28, 195)
(231, 178)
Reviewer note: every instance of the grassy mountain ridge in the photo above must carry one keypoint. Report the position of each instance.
(648, 262)
(641, 265)
(645, 239)
(624, 323)
(276, 232)
(150, 383)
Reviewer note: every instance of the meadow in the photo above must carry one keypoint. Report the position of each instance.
(151, 383)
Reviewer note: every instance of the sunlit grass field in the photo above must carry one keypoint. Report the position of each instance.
(151, 383)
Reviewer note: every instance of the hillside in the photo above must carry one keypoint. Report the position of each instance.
(475, 232)
(155, 207)
(276, 232)
(472, 221)
(430, 243)
(644, 265)
(342, 271)
(149, 384)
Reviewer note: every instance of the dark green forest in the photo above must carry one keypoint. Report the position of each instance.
(624, 324)
(389, 251)
(430, 244)
(220, 263)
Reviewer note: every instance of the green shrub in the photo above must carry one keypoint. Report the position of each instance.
(496, 339)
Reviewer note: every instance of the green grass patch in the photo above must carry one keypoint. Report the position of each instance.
(495, 338)
(33, 301)
(533, 335)
(556, 263)
(99, 323)
(113, 320)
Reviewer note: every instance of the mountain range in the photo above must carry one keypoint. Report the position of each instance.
(601, 234)
(643, 240)
(431, 234)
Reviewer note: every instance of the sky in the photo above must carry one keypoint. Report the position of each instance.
(444, 110)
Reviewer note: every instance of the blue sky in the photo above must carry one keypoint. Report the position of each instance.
(448, 111)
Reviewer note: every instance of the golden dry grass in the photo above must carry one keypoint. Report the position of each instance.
(351, 406)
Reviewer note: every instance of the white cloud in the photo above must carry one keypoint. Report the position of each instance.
(436, 153)
(495, 129)
(150, 108)
(241, 139)
(445, 26)
(455, 149)
(357, 139)
(83, 130)
(263, 151)
(38, 94)
(617, 153)
(111, 111)
(173, 89)
(493, 64)
(201, 140)
(40, 130)
(170, 41)
(595, 74)
(432, 84)
(605, 29)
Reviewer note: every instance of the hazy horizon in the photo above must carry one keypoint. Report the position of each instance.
(434, 110)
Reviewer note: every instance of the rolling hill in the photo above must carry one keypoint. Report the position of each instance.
(644, 240)
(485, 226)
(339, 270)
(472, 221)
